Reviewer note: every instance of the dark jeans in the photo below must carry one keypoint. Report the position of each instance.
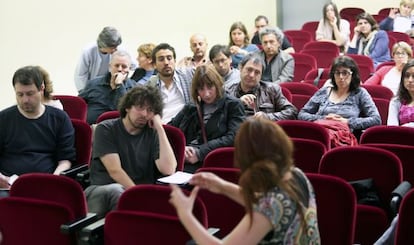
(191, 168)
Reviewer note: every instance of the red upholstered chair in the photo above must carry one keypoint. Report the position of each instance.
(132, 228)
(387, 63)
(222, 157)
(306, 130)
(223, 213)
(301, 92)
(307, 154)
(404, 232)
(377, 91)
(365, 65)
(38, 206)
(361, 162)
(382, 106)
(336, 202)
(107, 115)
(350, 13)
(388, 134)
(145, 216)
(303, 64)
(400, 36)
(299, 38)
(83, 142)
(312, 75)
(177, 142)
(384, 11)
(310, 26)
(74, 106)
(324, 52)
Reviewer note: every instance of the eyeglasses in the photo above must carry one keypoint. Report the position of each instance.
(400, 53)
(342, 73)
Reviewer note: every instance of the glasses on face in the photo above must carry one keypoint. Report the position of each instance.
(400, 53)
(342, 73)
(408, 75)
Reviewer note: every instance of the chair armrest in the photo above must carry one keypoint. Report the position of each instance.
(93, 233)
(73, 172)
(397, 195)
(212, 231)
(78, 224)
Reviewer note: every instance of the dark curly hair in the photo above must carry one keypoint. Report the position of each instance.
(141, 96)
(346, 62)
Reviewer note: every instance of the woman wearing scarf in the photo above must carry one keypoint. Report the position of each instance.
(369, 40)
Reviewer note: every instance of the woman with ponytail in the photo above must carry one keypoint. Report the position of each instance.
(278, 198)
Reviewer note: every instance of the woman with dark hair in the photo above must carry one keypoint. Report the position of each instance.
(332, 28)
(278, 198)
(401, 110)
(212, 121)
(343, 99)
(368, 40)
(239, 43)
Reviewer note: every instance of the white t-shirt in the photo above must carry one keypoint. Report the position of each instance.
(173, 101)
(392, 80)
(402, 24)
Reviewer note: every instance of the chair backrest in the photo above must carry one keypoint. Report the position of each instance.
(382, 106)
(313, 74)
(303, 64)
(336, 202)
(107, 115)
(400, 36)
(131, 228)
(307, 154)
(155, 199)
(384, 11)
(376, 91)
(404, 153)
(323, 57)
(365, 65)
(404, 231)
(222, 157)
(388, 134)
(83, 141)
(31, 221)
(300, 88)
(299, 38)
(287, 94)
(362, 162)
(310, 26)
(52, 188)
(177, 141)
(74, 106)
(386, 63)
(391, 41)
(306, 130)
(223, 213)
(350, 13)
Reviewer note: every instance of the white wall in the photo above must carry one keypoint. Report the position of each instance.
(52, 33)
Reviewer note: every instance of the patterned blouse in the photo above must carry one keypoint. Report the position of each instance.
(282, 212)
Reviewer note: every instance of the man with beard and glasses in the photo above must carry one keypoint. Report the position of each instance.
(129, 150)
(34, 137)
(174, 84)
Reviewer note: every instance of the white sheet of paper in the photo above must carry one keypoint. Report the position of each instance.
(178, 178)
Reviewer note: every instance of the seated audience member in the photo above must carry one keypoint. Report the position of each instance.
(400, 19)
(332, 28)
(47, 98)
(212, 121)
(369, 41)
(146, 67)
(279, 65)
(103, 93)
(130, 150)
(198, 45)
(401, 110)
(390, 76)
(34, 137)
(220, 56)
(95, 57)
(260, 99)
(278, 198)
(239, 43)
(173, 83)
(342, 100)
(262, 21)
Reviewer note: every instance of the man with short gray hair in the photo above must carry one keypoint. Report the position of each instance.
(279, 65)
(95, 57)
